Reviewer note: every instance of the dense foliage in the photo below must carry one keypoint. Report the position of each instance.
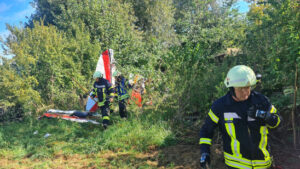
(181, 47)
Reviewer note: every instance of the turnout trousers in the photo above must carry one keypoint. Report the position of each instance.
(122, 108)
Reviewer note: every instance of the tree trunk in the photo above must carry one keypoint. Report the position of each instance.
(295, 107)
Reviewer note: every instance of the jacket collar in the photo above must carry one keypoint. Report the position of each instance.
(230, 101)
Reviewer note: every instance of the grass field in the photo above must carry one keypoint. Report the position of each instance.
(127, 143)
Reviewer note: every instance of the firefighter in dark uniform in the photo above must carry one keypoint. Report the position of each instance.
(103, 92)
(243, 118)
(122, 85)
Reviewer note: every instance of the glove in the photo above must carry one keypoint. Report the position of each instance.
(265, 115)
(258, 114)
(205, 159)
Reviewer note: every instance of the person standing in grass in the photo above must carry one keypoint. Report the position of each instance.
(243, 117)
(138, 85)
(122, 86)
(103, 92)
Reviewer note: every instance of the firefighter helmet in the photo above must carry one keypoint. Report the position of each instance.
(240, 76)
(97, 74)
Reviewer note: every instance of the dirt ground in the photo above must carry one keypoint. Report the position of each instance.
(182, 156)
(187, 157)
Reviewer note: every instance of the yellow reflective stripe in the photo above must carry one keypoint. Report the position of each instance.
(277, 124)
(104, 95)
(111, 94)
(94, 91)
(237, 165)
(263, 141)
(205, 141)
(235, 144)
(105, 118)
(261, 163)
(125, 96)
(239, 159)
(273, 110)
(213, 117)
(246, 163)
(101, 104)
(264, 167)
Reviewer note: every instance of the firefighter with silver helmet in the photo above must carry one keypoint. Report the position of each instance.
(244, 118)
(104, 93)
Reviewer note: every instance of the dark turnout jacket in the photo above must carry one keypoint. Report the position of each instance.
(244, 138)
(121, 88)
(103, 90)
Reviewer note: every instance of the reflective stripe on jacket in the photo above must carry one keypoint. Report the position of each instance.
(244, 138)
(121, 89)
(103, 90)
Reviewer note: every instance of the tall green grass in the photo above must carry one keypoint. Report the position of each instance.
(136, 134)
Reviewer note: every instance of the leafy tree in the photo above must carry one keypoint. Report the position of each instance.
(72, 44)
(108, 23)
(17, 91)
(46, 9)
(49, 56)
(273, 41)
(206, 29)
(156, 19)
